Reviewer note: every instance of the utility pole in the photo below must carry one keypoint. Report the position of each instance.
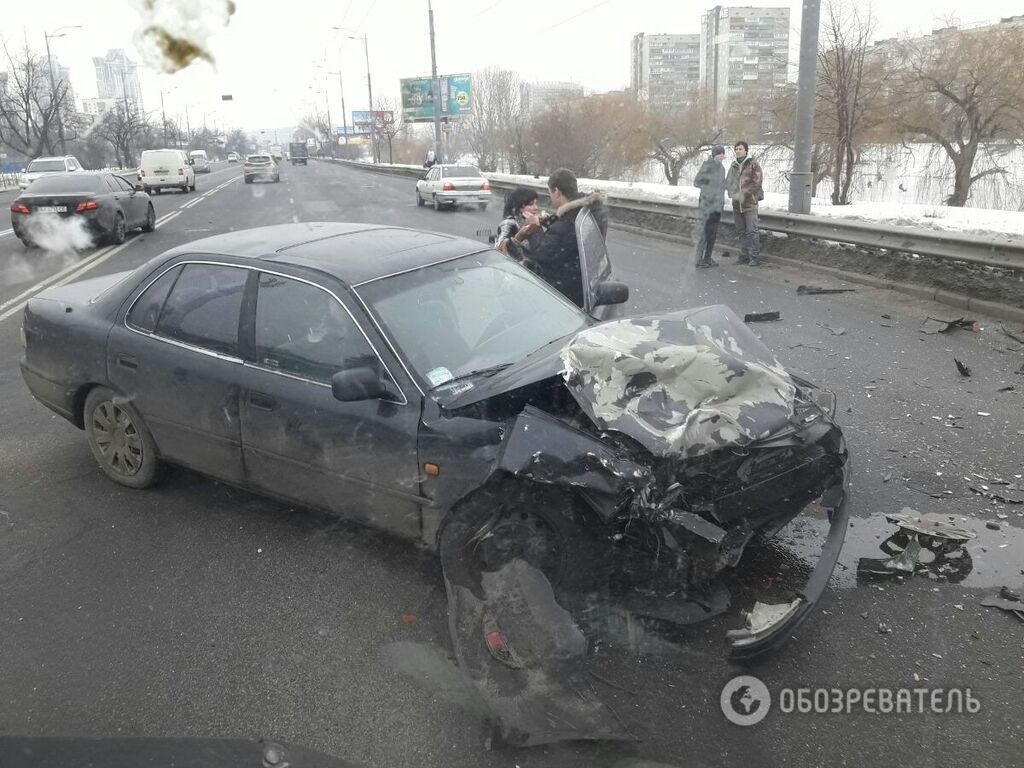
(127, 119)
(163, 117)
(59, 32)
(188, 130)
(373, 115)
(800, 179)
(344, 118)
(330, 125)
(435, 86)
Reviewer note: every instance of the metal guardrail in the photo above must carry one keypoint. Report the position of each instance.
(1006, 253)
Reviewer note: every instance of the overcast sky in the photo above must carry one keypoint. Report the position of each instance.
(267, 59)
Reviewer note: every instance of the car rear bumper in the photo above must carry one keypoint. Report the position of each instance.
(463, 197)
(254, 173)
(97, 222)
(163, 182)
(57, 397)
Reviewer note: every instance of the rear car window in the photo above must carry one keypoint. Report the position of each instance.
(68, 184)
(203, 307)
(164, 159)
(146, 310)
(258, 158)
(45, 166)
(460, 170)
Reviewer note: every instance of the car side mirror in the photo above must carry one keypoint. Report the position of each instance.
(139, 188)
(357, 384)
(611, 292)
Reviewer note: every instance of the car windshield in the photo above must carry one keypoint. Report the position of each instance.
(452, 171)
(42, 166)
(467, 315)
(68, 183)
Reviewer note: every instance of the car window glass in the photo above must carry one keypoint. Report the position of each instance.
(146, 309)
(123, 184)
(203, 307)
(303, 330)
(111, 184)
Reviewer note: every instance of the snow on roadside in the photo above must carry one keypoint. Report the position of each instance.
(981, 221)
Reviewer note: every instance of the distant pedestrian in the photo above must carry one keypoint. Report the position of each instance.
(710, 180)
(744, 184)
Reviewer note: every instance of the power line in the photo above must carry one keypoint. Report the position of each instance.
(595, 6)
(345, 14)
(485, 10)
(368, 12)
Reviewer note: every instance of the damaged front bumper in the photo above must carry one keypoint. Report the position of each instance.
(769, 627)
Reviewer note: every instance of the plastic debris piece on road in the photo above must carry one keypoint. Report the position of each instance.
(936, 526)
(811, 290)
(761, 317)
(1006, 600)
(902, 564)
(940, 325)
(964, 370)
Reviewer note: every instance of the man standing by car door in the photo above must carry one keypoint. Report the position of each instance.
(557, 255)
(744, 185)
(710, 180)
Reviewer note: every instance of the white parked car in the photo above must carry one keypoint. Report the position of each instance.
(453, 184)
(45, 166)
(162, 169)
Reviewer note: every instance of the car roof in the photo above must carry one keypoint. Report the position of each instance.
(353, 253)
(52, 157)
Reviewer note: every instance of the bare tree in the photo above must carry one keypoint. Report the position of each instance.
(850, 82)
(496, 120)
(961, 89)
(779, 105)
(389, 131)
(680, 137)
(29, 109)
(601, 136)
(121, 126)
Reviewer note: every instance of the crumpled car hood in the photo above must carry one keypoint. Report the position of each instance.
(684, 383)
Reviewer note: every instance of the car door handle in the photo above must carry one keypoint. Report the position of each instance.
(261, 401)
(127, 361)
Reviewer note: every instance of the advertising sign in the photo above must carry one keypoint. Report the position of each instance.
(418, 100)
(362, 123)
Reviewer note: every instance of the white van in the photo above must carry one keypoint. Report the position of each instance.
(164, 168)
(200, 162)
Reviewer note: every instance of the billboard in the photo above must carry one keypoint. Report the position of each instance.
(456, 97)
(362, 123)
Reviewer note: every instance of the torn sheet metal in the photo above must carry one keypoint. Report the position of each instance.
(686, 383)
(811, 290)
(932, 325)
(761, 317)
(1004, 603)
(901, 564)
(547, 450)
(544, 697)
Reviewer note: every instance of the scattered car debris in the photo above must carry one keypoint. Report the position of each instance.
(984, 413)
(964, 370)
(993, 526)
(902, 564)
(947, 560)
(1011, 334)
(810, 290)
(887, 317)
(760, 317)
(834, 331)
(1005, 389)
(1006, 600)
(933, 526)
(1008, 494)
(883, 628)
(937, 325)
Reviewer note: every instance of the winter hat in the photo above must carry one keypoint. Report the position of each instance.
(716, 150)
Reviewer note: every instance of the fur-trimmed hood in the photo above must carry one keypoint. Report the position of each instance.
(591, 199)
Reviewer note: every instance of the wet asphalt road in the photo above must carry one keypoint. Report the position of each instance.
(195, 609)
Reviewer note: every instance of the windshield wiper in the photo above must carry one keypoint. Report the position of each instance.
(473, 374)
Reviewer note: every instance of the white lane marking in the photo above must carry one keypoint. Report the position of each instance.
(6, 232)
(14, 305)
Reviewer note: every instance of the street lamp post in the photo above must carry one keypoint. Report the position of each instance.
(435, 86)
(369, 90)
(59, 32)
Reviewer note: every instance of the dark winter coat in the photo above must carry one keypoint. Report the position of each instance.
(710, 180)
(557, 254)
(744, 183)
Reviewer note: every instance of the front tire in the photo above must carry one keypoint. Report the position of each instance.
(119, 440)
(419, 199)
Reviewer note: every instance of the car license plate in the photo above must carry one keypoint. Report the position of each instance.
(161, 171)
(52, 209)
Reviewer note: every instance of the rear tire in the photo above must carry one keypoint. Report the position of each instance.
(150, 224)
(120, 231)
(119, 440)
(482, 206)
(437, 205)
(248, 180)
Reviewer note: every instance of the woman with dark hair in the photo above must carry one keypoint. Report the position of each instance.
(514, 232)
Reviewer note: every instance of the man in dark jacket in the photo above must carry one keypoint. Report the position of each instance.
(744, 186)
(557, 255)
(710, 180)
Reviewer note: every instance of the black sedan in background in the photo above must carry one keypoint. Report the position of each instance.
(80, 209)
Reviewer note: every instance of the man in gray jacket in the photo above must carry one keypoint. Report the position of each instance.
(710, 180)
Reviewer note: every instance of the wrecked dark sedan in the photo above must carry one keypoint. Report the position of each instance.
(431, 387)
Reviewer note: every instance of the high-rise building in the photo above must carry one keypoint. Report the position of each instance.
(116, 74)
(742, 49)
(665, 69)
(537, 97)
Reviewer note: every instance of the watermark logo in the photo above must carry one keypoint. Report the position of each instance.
(745, 700)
